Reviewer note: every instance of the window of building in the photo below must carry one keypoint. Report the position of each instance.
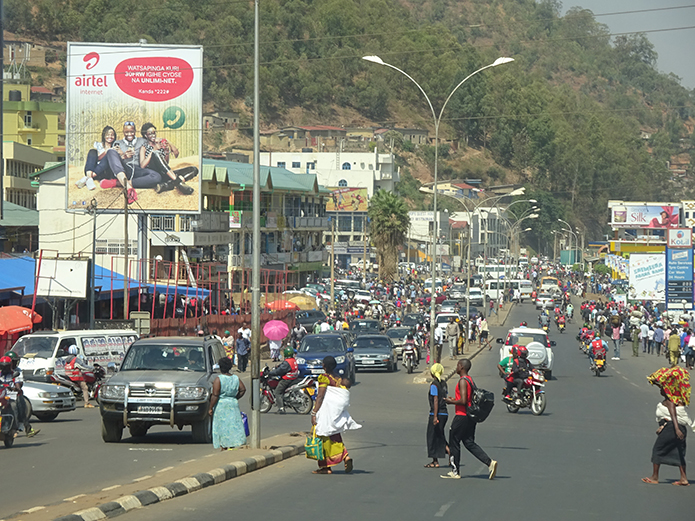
(30, 141)
(296, 164)
(346, 166)
(344, 223)
(358, 222)
(27, 119)
(343, 238)
(342, 183)
(281, 164)
(371, 167)
(185, 223)
(361, 166)
(162, 223)
(311, 166)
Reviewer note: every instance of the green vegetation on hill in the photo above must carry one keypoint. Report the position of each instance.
(565, 117)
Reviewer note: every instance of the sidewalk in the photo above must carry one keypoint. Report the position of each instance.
(168, 483)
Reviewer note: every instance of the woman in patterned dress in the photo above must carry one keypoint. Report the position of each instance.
(227, 426)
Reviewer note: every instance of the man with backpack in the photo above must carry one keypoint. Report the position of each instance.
(463, 426)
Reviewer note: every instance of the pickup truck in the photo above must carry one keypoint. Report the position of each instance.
(162, 381)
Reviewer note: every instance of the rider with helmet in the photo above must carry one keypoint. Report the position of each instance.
(598, 349)
(23, 404)
(523, 324)
(288, 370)
(74, 370)
(519, 370)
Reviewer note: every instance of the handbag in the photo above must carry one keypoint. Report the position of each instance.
(245, 421)
(313, 446)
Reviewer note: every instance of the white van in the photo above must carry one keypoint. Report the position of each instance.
(495, 288)
(45, 352)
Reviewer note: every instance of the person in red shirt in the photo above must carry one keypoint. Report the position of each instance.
(463, 427)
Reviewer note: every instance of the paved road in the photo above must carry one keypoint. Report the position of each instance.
(583, 459)
(68, 457)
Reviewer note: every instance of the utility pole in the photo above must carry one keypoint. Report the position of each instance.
(2, 109)
(364, 258)
(126, 290)
(92, 297)
(333, 262)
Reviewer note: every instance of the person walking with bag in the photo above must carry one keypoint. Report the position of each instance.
(463, 427)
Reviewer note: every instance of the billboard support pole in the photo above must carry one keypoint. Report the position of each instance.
(125, 249)
(92, 273)
(256, 250)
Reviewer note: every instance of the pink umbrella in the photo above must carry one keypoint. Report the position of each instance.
(275, 330)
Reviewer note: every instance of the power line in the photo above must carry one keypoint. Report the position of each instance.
(78, 226)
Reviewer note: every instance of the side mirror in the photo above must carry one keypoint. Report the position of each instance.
(500, 340)
(216, 368)
(111, 367)
(553, 343)
(351, 350)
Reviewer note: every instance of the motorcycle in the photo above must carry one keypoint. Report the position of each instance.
(598, 365)
(300, 395)
(545, 327)
(8, 420)
(409, 357)
(93, 379)
(561, 327)
(530, 395)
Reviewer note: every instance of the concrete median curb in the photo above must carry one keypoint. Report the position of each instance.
(186, 485)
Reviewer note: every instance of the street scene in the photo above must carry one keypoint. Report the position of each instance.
(368, 260)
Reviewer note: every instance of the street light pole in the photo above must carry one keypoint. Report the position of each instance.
(437, 120)
(568, 226)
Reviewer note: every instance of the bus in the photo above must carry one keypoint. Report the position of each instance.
(549, 283)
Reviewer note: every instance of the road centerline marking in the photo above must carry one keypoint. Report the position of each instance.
(442, 510)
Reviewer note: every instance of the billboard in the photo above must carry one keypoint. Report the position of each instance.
(647, 277)
(645, 216)
(679, 278)
(348, 200)
(679, 238)
(134, 118)
(62, 278)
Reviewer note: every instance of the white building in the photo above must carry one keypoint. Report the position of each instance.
(488, 228)
(421, 229)
(369, 170)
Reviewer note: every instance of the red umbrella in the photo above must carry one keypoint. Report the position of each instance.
(14, 319)
(275, 330)
(282, 305)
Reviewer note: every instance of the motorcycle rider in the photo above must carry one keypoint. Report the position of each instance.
(543, 319)
(505, 365)
(410, 342)
(519, 371)
(7, 380)
(298, 333)
(22, 416)
(74, 369)
(289, 373)
(598, 350)
(561, 322)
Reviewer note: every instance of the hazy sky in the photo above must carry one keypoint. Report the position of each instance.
(673, 47)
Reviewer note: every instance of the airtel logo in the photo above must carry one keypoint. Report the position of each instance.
(91, 60)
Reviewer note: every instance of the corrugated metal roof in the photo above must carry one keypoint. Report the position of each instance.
(15, 215)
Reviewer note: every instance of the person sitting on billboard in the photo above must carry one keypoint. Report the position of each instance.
(96, 167)
(124, 161)
(155, 155)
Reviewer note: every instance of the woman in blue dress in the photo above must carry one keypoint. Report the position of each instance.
(227, 427)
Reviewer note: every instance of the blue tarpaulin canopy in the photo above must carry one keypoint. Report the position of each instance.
(17, 273)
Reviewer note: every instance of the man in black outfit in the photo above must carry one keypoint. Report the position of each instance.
(463, 427)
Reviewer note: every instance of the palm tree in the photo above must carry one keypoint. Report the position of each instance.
(389, 222)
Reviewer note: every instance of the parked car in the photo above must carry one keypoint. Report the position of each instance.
(539, 345)
(373, 352)
(48, 400)
(162, 380)
(314, 348)
(309, 318)
(365, 327)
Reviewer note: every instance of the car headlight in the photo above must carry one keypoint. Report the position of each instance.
(113, 392)
(300, 361)
(48, 395)
(190, 393)
(339, 359)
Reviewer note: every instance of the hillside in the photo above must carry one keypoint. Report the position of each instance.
(565, 118)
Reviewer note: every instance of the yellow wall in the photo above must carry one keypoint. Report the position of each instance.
(635, 247)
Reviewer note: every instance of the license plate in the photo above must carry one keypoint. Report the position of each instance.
(599, 362)
(148, 409)
(368, 362)
(317, 371)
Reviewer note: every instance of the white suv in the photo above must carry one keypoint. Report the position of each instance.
(538, 344)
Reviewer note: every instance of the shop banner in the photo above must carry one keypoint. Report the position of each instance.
(679, 278)
(647, 277)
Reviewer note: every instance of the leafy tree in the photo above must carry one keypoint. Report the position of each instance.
(389, 225)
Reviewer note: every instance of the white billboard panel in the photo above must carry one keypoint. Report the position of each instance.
(134, 118)
(62, 278)
(648, 276)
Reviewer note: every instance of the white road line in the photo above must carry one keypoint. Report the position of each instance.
(633, 383)
(190, 461)
(625, 378)
(32, 510)
(443, 509)
(110, 488)
(617, 371)
(164, 469)
(73, 498)
(143, 478)
(150, 450)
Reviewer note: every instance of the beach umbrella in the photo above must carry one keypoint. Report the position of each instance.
(14, 319)
(282, 305)
(304, 302)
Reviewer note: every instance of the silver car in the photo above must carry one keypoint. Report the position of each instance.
(48, 400)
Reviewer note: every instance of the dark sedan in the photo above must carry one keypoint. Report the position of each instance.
(365, 327)
(374, 352)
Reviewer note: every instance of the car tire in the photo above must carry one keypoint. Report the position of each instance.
(202, 430)
(137, 430)
(9, 438)
(111, 431)
(46, 416)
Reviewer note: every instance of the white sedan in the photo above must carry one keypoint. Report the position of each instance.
(48, 400)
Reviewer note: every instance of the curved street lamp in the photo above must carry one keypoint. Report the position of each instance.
(437, 120)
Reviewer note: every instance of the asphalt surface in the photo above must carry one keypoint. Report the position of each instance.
(582, 459)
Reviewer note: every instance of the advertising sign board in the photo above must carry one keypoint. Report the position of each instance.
(134, 118)
(647, 277)
(348, 200)
(679, 238)
(645, 216)
(679, 278)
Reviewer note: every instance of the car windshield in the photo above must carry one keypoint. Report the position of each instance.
(449, 303)
(322, 344)
(412, 319)
(368, 343)
(544, 296)
(475, 291)
(524, 339)
(149, 357)
(36, 346)
(396, 333)
(365, 325)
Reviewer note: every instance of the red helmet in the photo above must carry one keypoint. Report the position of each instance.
(515, 350)
(5, 361)
(522, 351)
